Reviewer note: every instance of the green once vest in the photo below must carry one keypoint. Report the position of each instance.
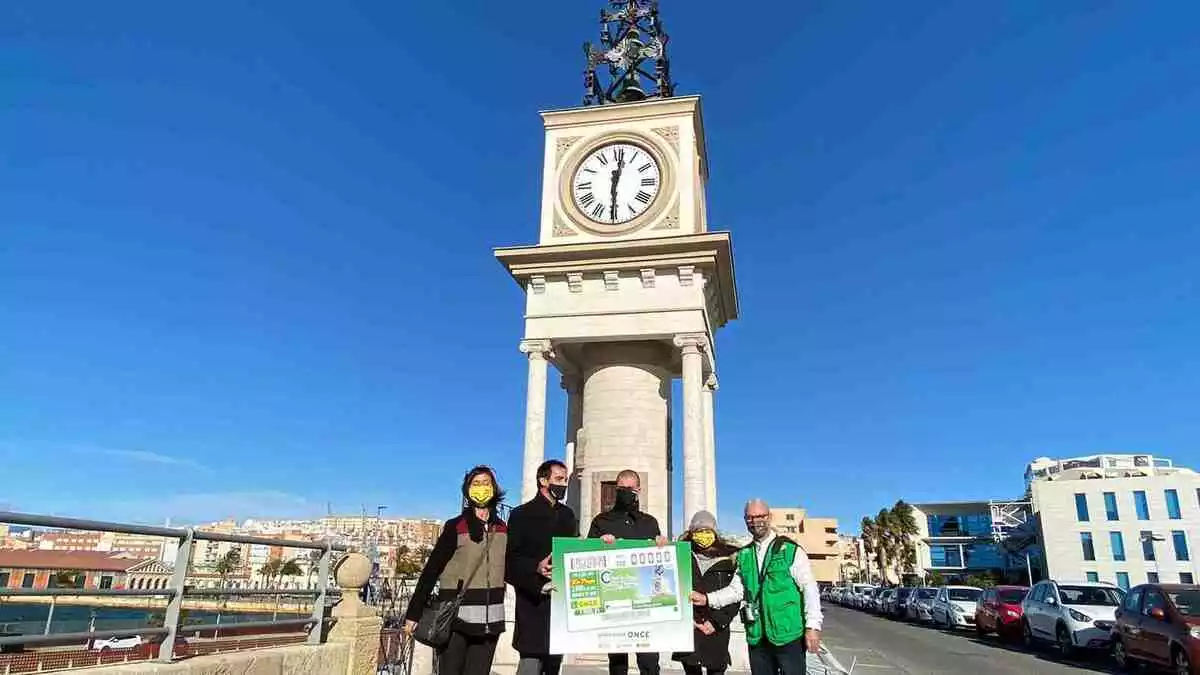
(781, 605)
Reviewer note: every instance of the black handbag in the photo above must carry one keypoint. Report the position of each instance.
(433, 630)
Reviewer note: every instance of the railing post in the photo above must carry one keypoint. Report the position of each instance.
(318, 613)
(50, 614)
(183, 560)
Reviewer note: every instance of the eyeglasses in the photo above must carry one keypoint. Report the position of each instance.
(756, 518)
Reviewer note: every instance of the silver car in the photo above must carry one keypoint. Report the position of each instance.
(920, 604)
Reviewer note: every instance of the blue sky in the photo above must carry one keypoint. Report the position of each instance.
(246, 253)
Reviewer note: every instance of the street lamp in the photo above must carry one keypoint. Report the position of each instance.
(1150, 538)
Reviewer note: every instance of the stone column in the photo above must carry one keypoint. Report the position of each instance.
(710, 445)
(355, 623)
(573, 384)
(692, 347)
(538, 352)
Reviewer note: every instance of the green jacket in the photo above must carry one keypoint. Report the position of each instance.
(780, 605)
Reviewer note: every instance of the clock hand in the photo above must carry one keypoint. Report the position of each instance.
(616, 178)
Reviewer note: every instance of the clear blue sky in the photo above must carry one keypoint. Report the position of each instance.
(245, 252)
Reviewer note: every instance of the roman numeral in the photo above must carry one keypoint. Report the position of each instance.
(620, 154)
(631, 159)
(588, 185)
(598, 211)
(632, 211)
(647, 182)
(643, 196)
(589, 171)
(602, 158)
(647, 165)
(587, 200)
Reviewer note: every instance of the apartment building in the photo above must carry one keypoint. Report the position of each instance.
(817, 536)
(87, 540)
(1125, 519)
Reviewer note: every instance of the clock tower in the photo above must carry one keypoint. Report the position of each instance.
(627, 286)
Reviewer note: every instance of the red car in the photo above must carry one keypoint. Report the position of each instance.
(999, 611)
(1159, 624)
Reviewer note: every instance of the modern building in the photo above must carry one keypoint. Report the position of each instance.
(87, 540)
(955, 539)
(1121, 518)
(817, 536)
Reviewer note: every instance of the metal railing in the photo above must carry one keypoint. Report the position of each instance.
(177, 590)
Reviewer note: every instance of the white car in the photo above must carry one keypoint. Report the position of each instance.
(920, 604)
(122, 642)
(1071, 614)
(954, 606)
(858, 593)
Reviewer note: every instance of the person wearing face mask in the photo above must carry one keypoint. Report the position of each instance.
(782, 614)
(626, 521)
(468, 560)
(532, 527)
(713, 567)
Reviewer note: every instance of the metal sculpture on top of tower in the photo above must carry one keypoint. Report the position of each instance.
(632, 41)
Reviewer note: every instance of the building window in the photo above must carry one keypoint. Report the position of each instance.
(106, 582)
(1093, 577)
(1141, 505)
(1089, 549)
(4, 579)
(945, 555)
(1179, 537)
(1081, 510)
(1152, 577)
(1123, 580)
(1118, 546)
(1110, 506)
(790, 516)
(1147, 538)
(27, 580)
(1173, 505)
(1185, 578)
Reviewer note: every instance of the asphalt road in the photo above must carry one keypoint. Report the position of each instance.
(885, 647)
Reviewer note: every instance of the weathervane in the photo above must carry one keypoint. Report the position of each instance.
(633, 44)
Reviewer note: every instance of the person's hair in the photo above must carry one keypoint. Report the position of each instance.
(629, 473)
(491, 473)
(547, 467)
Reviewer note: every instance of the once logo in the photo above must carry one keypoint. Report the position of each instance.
(636, 634)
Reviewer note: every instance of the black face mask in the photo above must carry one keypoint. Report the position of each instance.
(627, 500)
(557, 492)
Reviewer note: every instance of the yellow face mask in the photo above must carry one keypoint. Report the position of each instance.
(480, 495)
(704, 538)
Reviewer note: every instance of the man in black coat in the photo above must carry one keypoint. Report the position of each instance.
(532, 527)
(627, 521)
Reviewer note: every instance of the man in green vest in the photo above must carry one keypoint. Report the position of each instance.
(782, 615)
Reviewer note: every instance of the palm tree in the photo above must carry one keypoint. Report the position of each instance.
(868, 542)
(291, 568)
(271, 570)
(905, 524)
(228, 564)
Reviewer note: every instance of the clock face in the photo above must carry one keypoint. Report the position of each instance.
(616, 183)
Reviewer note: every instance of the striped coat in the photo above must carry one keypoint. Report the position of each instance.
(450, 565)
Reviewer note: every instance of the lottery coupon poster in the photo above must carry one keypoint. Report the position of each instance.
(621, 597)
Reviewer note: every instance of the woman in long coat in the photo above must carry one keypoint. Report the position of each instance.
(713, 568)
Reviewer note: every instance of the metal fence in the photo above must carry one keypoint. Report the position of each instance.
(177, 591)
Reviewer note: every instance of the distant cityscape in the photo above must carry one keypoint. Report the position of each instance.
(35, 558)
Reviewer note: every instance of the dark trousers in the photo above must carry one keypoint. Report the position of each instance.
(618, 664)
(699, 670)
(548, 664)
(467, 655)
(769, 659)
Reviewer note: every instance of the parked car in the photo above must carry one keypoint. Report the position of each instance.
(1071, 615)
(899, 603)
(884, 600)
(954, 606)
(858, 594)
(999, 611)
(920, 604)
(1159, 624)
(114, 643)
